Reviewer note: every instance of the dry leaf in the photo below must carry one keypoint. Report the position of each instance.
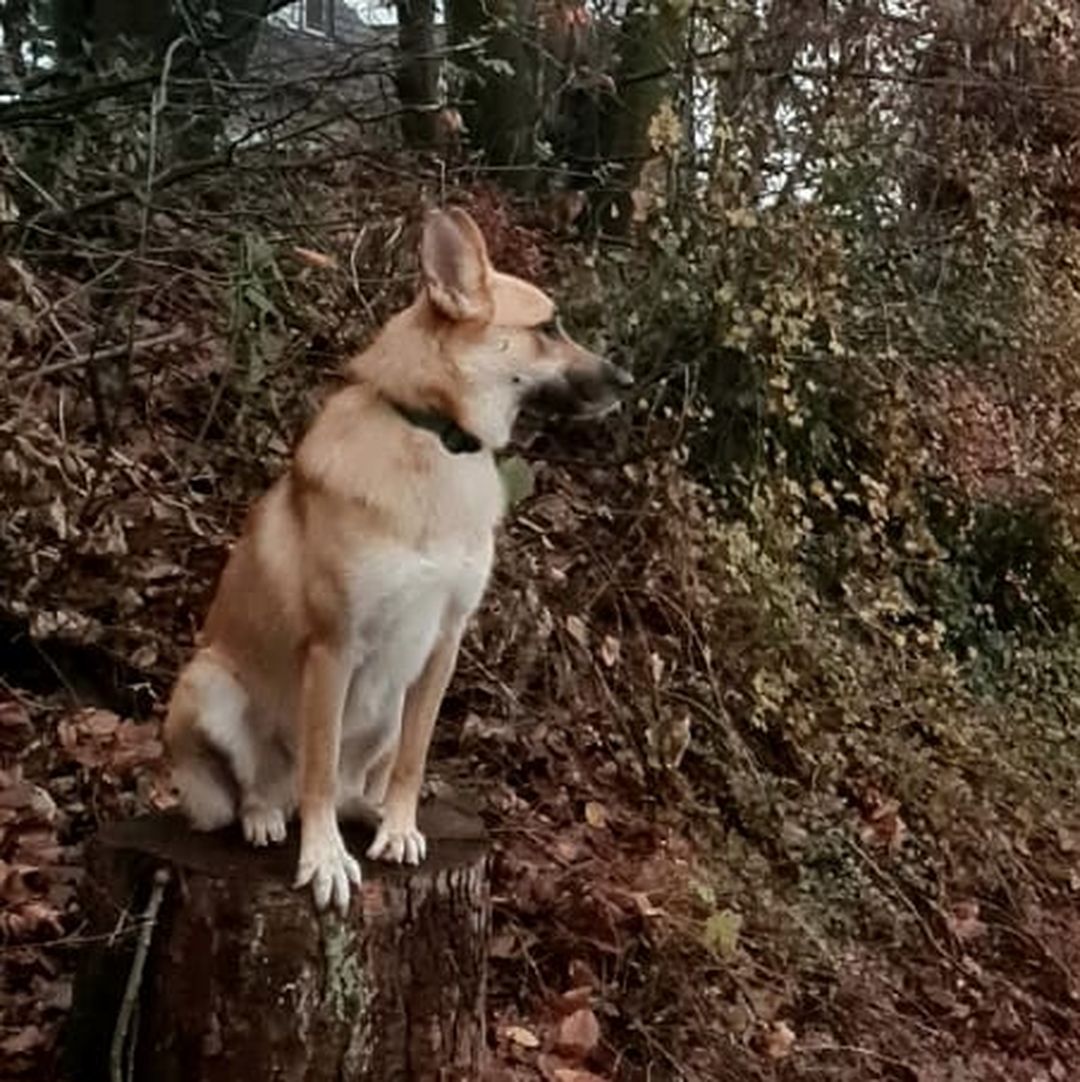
(595, 814)
(656, 667)
(578, 631)
(779, 1041)
(24, 796)
(964, 921)
(882, 825)
(504, 945)
(97, 722)
(568, 850)
(577, 1034)
(320, 260)
(573, 999)
(23, 1040)
(521, 1036)
(610, 650)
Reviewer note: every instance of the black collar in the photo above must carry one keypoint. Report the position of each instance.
(454, 438)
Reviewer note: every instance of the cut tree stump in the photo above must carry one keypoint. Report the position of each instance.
(243, 980)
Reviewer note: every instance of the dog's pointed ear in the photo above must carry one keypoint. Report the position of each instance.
(454, 260)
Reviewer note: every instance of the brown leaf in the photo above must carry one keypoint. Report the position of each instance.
(779, 1041)
(963, 921)
(519, 1035)
(26, 797)
(573, 999)
(98, 723)
(578, 631)
(23, 1041)
(319, 260)
(568, 850)
(578, 1034)
(504, 945)
(610, 650)
(882, 825)
(136, 744)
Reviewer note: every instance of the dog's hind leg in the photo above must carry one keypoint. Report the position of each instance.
(221, 767)
(202, 769)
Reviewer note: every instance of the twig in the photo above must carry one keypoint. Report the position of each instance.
(857, 1050)
(908, 904)
(155, 340)
(131, 992)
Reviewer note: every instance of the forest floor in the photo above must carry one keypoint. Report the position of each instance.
(677, 894)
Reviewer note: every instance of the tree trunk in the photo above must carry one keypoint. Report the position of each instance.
(244, 980)
(650, 46)
(417, 76)
(501, 109)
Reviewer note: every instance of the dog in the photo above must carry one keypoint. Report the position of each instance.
(335, 628)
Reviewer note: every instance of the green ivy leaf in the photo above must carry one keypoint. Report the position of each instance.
(721, 933)
(518, 479)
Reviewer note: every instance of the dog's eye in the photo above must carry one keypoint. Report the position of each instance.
(553, 328)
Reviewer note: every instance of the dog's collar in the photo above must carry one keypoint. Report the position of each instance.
(457, 440)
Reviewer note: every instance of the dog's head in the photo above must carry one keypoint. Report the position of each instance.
(503, 336)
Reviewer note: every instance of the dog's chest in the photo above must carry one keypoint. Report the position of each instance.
(405, 591)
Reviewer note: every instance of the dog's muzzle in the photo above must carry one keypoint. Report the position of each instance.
(586, 389)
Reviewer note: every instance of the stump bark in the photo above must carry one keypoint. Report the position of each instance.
(244, 980)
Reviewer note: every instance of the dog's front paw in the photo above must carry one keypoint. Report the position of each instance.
(263, 825)
(397, 840)
(328, 866)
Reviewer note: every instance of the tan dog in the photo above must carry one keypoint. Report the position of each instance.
(336, 624)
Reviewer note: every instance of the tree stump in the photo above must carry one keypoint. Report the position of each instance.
(243, 979)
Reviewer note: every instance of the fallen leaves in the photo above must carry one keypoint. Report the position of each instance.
(22, 1041)
(565, 1045)
(99, 739)
(33, 894)
(75, 761)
